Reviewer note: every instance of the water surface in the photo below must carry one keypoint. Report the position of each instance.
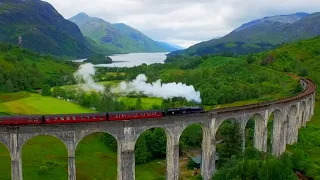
(133, 59)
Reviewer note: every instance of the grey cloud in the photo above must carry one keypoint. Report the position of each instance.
(183, 22)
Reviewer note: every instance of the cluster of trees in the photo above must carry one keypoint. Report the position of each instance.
(98, 59)
(220, 83)
(22, 69)
(254, 164)
(103, 102)
(230, 141)
(257, 165)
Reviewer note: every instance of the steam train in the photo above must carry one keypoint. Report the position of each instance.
(14, 120)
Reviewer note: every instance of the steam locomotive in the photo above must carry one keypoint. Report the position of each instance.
(14, 120)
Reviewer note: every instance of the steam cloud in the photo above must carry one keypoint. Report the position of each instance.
(85, 73)
(156, 89)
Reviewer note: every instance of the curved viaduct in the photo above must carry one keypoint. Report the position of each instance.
(289, 115)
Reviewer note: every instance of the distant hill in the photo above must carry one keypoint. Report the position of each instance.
(42, 29)
(269, 31)
(118, 37)
(169, 47)
(280, 18)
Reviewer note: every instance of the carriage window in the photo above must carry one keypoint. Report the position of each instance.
(55, 118)
(74, 118)
(148, 114)
(143, 114)
(154, 113)
(94, 117)
(123, 115)
(68, 118)
(117, 115)
(82, 117)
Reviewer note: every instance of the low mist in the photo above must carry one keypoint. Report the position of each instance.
(84, 77)
(157, 89)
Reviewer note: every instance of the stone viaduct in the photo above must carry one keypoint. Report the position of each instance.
(288, 116)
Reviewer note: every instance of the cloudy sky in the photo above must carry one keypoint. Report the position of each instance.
(183, 22)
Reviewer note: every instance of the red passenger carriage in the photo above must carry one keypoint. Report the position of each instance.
(130, 115)
(95, 117)
(21, 120)
(75, 118)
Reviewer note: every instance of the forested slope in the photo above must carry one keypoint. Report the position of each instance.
(302, 58)
(41, 29)
(22, 69)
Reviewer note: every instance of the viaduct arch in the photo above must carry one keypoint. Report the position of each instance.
(289, 115)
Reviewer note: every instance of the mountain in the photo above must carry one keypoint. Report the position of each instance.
(41, 28)
(260, 35)
(119, 37)
(280, 18)
(169, 47)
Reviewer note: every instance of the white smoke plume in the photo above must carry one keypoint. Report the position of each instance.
(157, 89)
(85, 73)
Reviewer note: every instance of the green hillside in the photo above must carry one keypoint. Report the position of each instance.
(22, 69)
(117, 37)
(263, 36)
(302, 57)
(41, 28)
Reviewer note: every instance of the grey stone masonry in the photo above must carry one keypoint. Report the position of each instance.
(288, 116)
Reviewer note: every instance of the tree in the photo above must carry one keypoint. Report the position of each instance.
(156, 141)
(141, 151)
(250, 58)
(99, 59)
(138, 104)
(110, 141)
(304, 72)
(229, 132)
(9, 86)
(46, 90)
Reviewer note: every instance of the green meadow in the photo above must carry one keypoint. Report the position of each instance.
(37, 104)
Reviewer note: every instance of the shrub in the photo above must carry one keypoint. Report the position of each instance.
(43, 169)
(191, 164)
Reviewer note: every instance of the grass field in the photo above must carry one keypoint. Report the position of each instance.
(112, 83)
(146, 102)
(37, 104)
